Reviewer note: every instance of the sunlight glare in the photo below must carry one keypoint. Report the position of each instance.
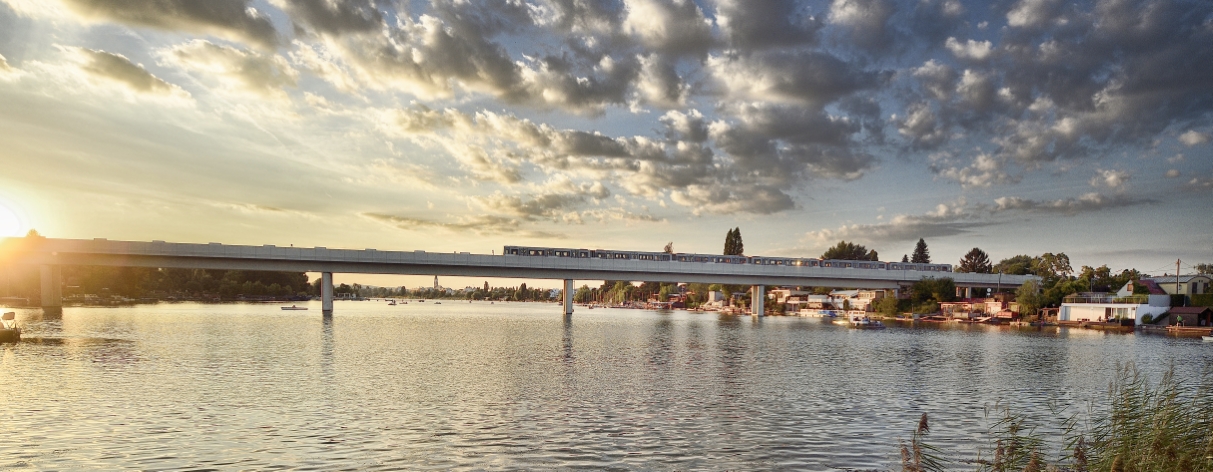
(10, 223)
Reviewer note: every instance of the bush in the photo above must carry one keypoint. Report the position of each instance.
(1204, 299)
(1148, 319)
(1139, 426)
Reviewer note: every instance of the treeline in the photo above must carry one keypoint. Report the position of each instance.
(142, 282)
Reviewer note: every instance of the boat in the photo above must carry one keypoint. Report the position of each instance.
(1208, 339)
(863, 321)
(9, 332)
(293, 307)
(437, 303)
(391, 303)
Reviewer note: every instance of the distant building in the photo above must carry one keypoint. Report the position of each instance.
(1182, 285)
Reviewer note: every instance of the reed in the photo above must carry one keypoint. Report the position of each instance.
(1138, 427)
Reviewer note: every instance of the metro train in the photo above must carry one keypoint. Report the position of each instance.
(718, 259)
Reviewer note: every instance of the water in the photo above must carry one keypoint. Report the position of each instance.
(516, 386)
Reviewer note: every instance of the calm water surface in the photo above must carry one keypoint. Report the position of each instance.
(517, 386)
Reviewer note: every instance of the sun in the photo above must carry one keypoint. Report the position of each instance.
(11, 224)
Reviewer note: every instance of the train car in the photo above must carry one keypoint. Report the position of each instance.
(545, 251)
(920, 267)
(719, 259)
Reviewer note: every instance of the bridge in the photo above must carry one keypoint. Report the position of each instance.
(51, 254)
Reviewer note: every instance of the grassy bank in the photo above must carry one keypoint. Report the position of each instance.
(1140, 426)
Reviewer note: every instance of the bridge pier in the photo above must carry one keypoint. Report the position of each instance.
(758, 298)
(568, 296)
(326, 292)
(52, 287)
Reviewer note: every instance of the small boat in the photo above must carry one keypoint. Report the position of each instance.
(864, 322)
(9, 332)
(437, 303)
(293, 307)
(1208, 339)
(391, 303)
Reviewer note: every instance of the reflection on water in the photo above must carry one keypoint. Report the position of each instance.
(518, 386)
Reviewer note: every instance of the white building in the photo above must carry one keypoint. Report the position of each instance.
(1098, 306)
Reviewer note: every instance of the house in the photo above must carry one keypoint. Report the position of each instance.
(855, 299)
(974, 307)
(1102, 306)
(1192, 316)
(1182, 285)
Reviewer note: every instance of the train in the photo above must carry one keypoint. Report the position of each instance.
(718, 259)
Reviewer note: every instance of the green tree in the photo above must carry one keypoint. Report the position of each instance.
(1204, 268)
(887, 306)
(1028, 298)
(733, 246)
(1052, 267)
(927, 293)
(976, 261)
(1017, 265)
(921, 254)
(905, 258)
(850, 252)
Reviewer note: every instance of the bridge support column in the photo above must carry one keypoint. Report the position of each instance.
(758, 298)
(52, 286)
(326, 292)
(568, 296)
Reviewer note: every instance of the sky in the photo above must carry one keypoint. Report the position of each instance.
(1015, 126)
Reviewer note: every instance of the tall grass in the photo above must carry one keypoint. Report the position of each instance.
(1138, 427)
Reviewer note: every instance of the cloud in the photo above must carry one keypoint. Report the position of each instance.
(970, 49)
(1089, 202)
(1193, 137)
(4, 67)
(866, 20)
(262, 74)
(1173, 173)
(948, 219)
(552, 201)
(1033, 13)
(118, 68)
(329, 17)
(229, 19)
(1110, 178)
(483, 225)
(763, 24)
(984, 171)
(810, 78)
(673, 27)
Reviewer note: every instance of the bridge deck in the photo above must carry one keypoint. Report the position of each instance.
(371, 261)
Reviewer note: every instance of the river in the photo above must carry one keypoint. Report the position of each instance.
(514, 386)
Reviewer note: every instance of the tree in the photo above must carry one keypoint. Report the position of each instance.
(921, 254)
(732, 243)
(1017, 265)
(1028, 298)
(927, 293)
(905, 258)
(1052, 267)
(33, 234)
(669, 247)
(976, 261)
(849, 252)
(1205, 269)
(486, 285)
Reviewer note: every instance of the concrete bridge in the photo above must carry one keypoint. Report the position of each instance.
(51, 254)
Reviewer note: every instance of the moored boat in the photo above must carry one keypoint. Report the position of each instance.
(293, 307)
(9, 332)
(863, 321)
(1208, 339)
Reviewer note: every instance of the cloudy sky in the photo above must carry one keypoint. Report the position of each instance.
(1017, 126)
